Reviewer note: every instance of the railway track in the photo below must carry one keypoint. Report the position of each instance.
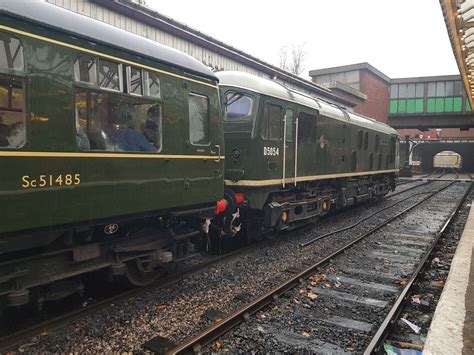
(342, 302)
(18, 338)
(12, 341)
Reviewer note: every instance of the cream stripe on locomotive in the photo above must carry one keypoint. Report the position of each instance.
(303, 178)
(103, 55)
(106, 155)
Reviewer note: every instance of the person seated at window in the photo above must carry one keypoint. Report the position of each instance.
(13, 135)
(82, 140)
(5, 132)
(151, 126)
(123, 136)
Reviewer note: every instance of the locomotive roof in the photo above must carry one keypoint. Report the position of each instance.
(277, 90)
(61, 19)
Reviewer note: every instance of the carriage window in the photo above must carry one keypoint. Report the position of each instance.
(117, 123)
(152, 84)
(135, 82)
(12, 113)
(198, 119)
(366, 140)
(110, 75)
(11, 53)
(290, 124)
(306, 128)
(271, 125)
(85, 70)
(360, 139)
(238, 106)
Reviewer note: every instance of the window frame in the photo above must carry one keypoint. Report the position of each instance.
(292, 124)
(14, 71)
(196, 94)
(22, 81)
(88, 90)
(246, 118)
(128, 70)
(266, 122)
(18, 75)
(146, 87)
(120, 74)
(312, 139)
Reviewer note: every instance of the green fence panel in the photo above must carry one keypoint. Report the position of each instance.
(402, 106)
(419, 105)
(457, 104)
(439, 104)
(393, 106)
(448, 104)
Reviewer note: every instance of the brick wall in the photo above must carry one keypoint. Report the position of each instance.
(378, 96)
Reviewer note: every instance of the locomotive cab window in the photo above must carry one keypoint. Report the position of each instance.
(306, 128)
(117, 123)
(198, 119)
(237, 106)
(272, 119)
(12, 98)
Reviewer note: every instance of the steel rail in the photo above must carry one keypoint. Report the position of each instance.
(195, 343)
(410, 188)
(382, 332)
(311, 241)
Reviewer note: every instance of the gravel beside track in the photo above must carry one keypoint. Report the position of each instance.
(185, 308)
(419, 309)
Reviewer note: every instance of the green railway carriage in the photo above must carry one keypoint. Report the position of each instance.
(295, 157)
(104, 135)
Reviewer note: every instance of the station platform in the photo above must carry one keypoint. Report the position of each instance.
(452, 328)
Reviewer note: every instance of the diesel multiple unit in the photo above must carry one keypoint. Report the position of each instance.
(112, 155)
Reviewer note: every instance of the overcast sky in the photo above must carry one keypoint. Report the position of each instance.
(401, 38)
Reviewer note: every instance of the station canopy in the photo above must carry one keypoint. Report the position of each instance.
(459, 18)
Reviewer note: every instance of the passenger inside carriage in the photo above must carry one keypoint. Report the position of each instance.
(123, 136)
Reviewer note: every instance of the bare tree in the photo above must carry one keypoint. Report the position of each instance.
(293, 60)
(283, 54)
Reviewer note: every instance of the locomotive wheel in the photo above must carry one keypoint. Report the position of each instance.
(138, 273)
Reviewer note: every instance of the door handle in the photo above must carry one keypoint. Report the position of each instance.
(218, 153)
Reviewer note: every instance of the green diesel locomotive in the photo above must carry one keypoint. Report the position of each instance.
(110, 152)
(295, 157)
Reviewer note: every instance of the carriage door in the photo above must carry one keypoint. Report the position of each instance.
(289, 146)
(203, 177)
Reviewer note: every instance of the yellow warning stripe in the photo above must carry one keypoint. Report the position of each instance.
(105, 155)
